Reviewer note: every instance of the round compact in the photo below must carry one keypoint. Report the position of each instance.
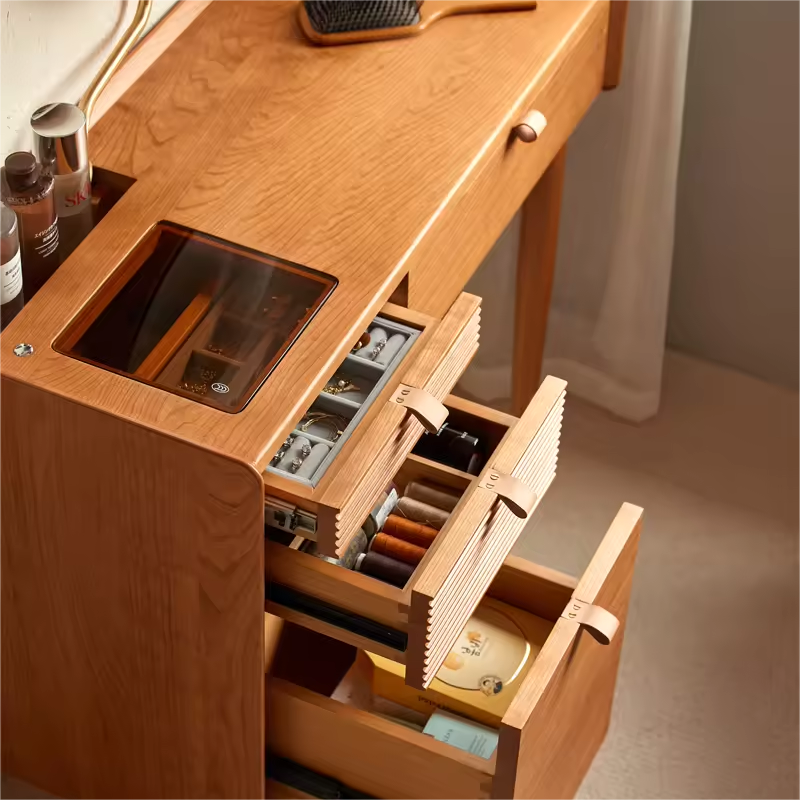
(488, 655)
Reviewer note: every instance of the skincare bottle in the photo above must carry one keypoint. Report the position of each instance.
(11, 296)
(60, 144)
(29, 192)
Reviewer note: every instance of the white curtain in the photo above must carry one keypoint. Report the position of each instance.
(609, 308)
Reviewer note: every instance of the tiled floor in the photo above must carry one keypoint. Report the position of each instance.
(707, 701)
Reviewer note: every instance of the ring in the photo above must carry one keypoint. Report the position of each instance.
(282, 452)
(363, 341)
(377, 349)
(296, 464)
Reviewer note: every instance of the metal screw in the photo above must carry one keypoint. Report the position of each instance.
(23, 349)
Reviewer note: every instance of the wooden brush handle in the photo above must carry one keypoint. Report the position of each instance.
(432, 10)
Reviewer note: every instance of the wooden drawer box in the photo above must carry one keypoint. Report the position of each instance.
(418, 624)
(548, 736)
(386, 431)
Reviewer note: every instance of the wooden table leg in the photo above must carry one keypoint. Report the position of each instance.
(617, 22)
(535, 265)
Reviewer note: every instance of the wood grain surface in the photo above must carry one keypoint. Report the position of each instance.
(146, 52)
(540, 590)
(559, 716)
(244, 130)
(132, 608)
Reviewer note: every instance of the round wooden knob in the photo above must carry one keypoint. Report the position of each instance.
(530, 128)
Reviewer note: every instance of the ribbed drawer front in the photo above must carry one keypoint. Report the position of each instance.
(479, 536)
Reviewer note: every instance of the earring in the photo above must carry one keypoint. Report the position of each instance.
(340, 386)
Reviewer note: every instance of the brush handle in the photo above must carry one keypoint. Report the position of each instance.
(432, 10)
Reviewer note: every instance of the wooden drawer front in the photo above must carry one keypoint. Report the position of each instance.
(418, 624)
(548, 736)
(559, 716)
(507, 169)
(479, 535)
(371, 464)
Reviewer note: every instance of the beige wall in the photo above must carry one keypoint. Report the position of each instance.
(51, 50)
(735, 269)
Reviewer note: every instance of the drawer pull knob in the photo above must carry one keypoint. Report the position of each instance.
(601, 624)
(512, 491)
(530, 128)
(423, 405)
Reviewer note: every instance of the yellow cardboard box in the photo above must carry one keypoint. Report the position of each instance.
(482, 672)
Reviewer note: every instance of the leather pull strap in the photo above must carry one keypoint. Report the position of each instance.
(600, 623)
(424, 406)
(519, 498)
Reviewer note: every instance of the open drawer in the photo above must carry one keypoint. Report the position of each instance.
(548, 736)
(417, 624)
(399, 403)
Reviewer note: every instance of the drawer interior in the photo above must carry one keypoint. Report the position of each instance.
(339, 601)
(332, 418)
(325, 717)
(325, 711)
(348, 599)
(366, 610)
(366, 419)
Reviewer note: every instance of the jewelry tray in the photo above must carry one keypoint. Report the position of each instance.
(375, 375)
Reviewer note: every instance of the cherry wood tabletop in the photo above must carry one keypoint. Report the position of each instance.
(344, 159)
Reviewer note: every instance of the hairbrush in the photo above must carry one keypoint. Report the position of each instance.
(349, 21)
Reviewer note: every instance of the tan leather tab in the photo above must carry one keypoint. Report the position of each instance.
(519, 498)
(425, 407)
(600, 623)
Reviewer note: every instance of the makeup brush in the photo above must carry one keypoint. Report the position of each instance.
(348, 21)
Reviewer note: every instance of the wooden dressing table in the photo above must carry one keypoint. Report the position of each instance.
(134, 560)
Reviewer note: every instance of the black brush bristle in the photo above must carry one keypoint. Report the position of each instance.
(343, 16)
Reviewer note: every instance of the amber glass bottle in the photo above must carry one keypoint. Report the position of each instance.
(29, 192)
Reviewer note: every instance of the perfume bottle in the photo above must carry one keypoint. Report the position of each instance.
(60, 144)
(29, 192)
(12, 297)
